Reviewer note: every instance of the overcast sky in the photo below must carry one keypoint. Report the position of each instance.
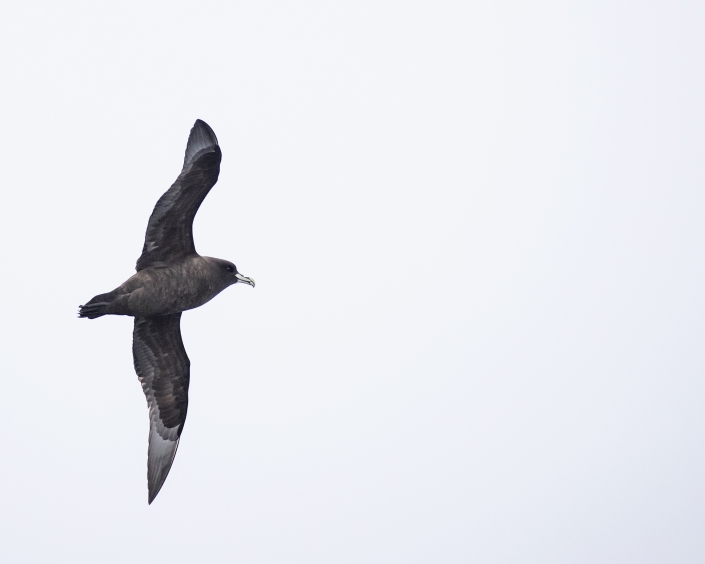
(477, 233)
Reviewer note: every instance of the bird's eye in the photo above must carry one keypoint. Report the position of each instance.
(230, 268)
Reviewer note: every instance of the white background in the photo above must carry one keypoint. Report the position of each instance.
(477, 234)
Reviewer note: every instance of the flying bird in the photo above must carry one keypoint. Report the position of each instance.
(171, 278)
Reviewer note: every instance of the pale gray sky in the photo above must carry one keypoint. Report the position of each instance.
(479, 323)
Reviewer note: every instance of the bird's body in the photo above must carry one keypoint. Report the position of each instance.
(165, 289)
(171, 278)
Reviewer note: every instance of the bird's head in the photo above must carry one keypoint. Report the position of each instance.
(230, 275)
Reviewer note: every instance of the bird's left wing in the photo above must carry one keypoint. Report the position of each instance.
(163, 369)
(170, 229)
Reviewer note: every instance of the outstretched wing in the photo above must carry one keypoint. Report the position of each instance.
(170, 229)
(163, 369)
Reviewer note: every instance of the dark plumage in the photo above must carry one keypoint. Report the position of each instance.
(171, 277)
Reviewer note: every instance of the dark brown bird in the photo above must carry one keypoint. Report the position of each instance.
(171, 277)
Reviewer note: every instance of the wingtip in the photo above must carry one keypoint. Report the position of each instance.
(205, 129)
(160, 458)
(201, 138)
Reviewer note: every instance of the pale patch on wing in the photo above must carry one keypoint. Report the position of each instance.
(160, 456)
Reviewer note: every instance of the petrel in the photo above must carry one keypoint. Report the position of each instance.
(171, 278)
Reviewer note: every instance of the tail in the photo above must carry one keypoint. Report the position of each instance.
(98, 306)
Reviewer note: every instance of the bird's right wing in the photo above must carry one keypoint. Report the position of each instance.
(163, 368)
(170, 229)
